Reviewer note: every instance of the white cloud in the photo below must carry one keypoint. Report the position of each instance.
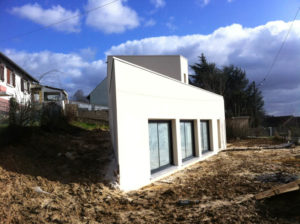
(88, 53)
(170, 24)
(150, 22)
(113, 18)
(158, 3)
(203, 3)
(250, 48)
(72, 70)
(45, 17)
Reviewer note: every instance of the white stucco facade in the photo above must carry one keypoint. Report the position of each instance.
(15, 91)
(141, 94)
(14, 82)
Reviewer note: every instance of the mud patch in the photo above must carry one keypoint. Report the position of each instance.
(277, 177)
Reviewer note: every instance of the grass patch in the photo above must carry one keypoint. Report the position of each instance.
(5, 125)
(89, 126)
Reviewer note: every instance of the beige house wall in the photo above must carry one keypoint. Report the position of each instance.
(174, 66)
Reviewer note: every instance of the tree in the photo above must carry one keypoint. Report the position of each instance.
(208, 76)
(235, 91)
(255, 104)
(79, 96)
(241, 98)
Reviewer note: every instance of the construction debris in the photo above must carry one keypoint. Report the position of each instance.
(292, 186)
(187, 202)
(281, 146)
(224, 185)
(39, 190)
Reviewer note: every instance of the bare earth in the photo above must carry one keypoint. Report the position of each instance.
(218, 190)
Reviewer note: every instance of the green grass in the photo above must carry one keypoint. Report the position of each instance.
(4, 125)
(89, 126)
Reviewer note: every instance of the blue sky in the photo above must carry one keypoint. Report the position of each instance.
(246, 33)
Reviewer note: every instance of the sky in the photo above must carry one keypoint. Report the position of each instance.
(245, 33)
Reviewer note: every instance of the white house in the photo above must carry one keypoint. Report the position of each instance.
(159, 123)
(14, 82)
(99, 95)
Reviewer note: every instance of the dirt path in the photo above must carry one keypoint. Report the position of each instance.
(218, 190)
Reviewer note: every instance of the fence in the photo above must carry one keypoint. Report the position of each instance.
(88, 106)
(4, 106)
(239, 127)
(89, 116)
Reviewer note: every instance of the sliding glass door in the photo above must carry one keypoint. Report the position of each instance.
(187, 139)
(160, 145)
(205, 139)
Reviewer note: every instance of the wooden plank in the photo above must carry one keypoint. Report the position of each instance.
(286, 188)
(264, 194)
(292, 186)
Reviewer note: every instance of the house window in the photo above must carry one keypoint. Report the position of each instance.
(8, 80)
(13, 76)
(51, 96)
(36, 97)
(25, 85)
(2, 73)
(187, 139)
(28, 86)
(22, 85)
(160, 144)
(205, 139)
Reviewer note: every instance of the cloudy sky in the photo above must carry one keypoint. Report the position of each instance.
(246, 33)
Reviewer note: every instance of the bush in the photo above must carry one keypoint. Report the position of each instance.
(48, 115)
(23, 114)
(52, 116)
(13, 111)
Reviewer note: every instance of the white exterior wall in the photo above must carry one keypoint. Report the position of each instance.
(136, 95)
(21, 97)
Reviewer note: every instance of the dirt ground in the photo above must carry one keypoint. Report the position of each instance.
(70, 166)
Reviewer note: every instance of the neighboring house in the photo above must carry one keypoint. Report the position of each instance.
(99, 95)
(14, 82)
(46, 94)
(158, 122)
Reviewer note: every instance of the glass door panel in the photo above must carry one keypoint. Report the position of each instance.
(164, 144)
(160, 144)
(182, 135)
(187, 139)
(153, 143)
(205, 136)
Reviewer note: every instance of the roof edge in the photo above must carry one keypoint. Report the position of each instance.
(165, 76)
(18, 67)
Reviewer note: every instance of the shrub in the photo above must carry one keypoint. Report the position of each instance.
(13, 111)
(23, 114)
(52, 115)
